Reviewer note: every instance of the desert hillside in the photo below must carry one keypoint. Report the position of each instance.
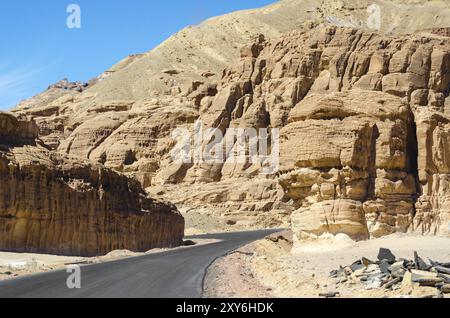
(202, 51)
(362, 113)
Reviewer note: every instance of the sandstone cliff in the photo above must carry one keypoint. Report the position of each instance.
(363, 143)
(363, 117)
(199, 53)
(50, 203)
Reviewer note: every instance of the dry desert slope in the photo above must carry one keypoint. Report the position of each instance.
(363, 117)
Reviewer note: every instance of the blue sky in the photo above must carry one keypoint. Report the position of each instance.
(37, 48)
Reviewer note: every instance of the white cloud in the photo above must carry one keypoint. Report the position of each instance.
(17, 83)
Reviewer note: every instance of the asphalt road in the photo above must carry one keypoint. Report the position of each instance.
(172, 274)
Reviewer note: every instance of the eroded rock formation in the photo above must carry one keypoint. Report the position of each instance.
(364, 126)
(51, 203)
(364, 138)
(349, 165)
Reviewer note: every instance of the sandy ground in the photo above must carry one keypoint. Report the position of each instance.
(231, 277)
(203, 221)
(13, 265)
(272, 268)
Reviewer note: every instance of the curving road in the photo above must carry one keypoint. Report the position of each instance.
(172, 274)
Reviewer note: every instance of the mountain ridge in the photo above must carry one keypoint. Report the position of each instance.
(125, 119)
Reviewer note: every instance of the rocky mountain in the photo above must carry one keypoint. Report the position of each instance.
(51, 203)
(362, 115)
(364, 123)
(200, 52)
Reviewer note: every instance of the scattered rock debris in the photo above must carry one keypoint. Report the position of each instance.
(412, 276)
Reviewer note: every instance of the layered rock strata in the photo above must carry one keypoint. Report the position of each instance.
(363, 121)
(51, 203)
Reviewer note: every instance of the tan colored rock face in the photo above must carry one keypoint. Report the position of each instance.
(344, 99)
(16, 132)
(432, 206)
(332, 216)
(360, 164)
(362, 141)
(353, 143)
(336, 144)
(53, 204)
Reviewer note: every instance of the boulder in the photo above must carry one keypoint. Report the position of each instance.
(386, 254)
